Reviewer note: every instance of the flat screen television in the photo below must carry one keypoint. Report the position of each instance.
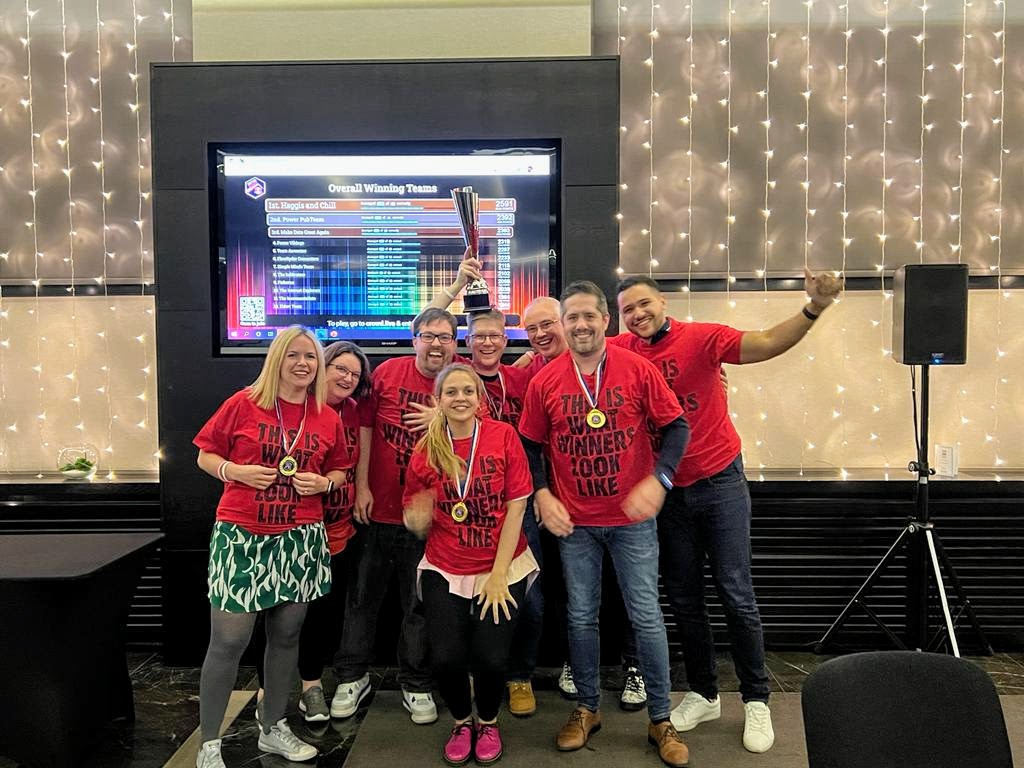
(353, 239)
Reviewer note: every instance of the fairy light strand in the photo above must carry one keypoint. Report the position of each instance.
(105, 196)
(730, 129)
(688, 121)
(623, 186)
(922, 42)
(36, 254)
(961, 68)
(652, 200)
(805, 444)
(770, 64)
(1001, 295)
(883, 236)
(65, 54)
(140, 223)
(846, 240)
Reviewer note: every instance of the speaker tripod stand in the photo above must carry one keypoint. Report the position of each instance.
(926, 559)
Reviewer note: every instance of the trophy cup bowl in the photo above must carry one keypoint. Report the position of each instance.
(467, 206)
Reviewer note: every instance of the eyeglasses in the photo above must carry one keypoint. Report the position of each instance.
(488, 337)
(546, 326)
(428, 338)
(343, 371)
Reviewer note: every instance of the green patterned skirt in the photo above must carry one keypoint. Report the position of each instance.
(250, 572)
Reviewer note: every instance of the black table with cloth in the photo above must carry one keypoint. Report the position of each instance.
(64, 601)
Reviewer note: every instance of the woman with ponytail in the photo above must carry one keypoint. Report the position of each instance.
(466, 492)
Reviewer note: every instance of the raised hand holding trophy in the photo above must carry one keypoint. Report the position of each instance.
(467, 205)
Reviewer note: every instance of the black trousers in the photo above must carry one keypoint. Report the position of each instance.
(387, 552)
(461, 644)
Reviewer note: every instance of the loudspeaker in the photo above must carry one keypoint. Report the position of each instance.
(929, 314)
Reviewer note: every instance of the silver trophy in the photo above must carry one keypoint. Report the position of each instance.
(467, 205)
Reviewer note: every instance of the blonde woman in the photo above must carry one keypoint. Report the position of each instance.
(466, 493)
(277, 450)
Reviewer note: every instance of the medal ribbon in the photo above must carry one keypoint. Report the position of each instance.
(598, 375)
(284, 432)
(460, 485)
(490, 400)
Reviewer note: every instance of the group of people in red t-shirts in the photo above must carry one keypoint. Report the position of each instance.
(619, 447)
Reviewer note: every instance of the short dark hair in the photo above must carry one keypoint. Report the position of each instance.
(490, 314)
(429, 315)
(349, 348)
(586, 287)
(629, 282)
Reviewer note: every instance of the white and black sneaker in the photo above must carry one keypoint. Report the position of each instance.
(566, 684)
(420, 706)
(348, 697)
(634, 692)
(281, 741)
(209, 755)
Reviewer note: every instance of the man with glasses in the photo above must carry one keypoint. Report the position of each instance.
(389, 550)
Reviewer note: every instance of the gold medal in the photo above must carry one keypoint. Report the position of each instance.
(289, 465)
(596, 418)
(460, 512)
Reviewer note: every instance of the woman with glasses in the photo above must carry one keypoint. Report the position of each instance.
(278, 451)
(466, 492)
(348, 380)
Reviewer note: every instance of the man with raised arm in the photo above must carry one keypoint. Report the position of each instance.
(707, 511)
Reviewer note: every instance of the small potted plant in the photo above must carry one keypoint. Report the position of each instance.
(77, 462)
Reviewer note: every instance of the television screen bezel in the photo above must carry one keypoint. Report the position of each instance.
(398, 346)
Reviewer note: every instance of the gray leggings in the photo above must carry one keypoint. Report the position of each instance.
(229, 637)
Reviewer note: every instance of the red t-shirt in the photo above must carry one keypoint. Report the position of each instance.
(396, 383)
(244, 433)
(501, 474)
(593, 470)
(507, 405)
(689, 357)
(340, 502)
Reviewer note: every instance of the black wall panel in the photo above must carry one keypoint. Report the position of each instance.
(573, 100)
(576, 100)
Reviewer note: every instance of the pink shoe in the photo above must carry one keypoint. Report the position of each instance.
(459, 748)
(488, 744)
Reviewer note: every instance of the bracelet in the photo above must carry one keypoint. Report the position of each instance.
(330, 486)
(448, 293)
(810, 315)
(221, 471)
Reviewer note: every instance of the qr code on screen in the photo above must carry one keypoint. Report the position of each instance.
(251, 310)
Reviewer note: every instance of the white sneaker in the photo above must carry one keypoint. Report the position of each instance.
(634, 692)
(566, 684)
(693, 710)
(420, 705)
(758, 734)
(348, 697)
(209, 755)
(281, 741)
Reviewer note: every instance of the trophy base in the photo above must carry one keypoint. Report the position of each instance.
(476, 302)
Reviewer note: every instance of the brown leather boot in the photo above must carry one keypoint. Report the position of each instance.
(671, 748)
(574, 734)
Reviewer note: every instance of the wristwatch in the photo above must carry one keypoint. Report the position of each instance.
(664, 479)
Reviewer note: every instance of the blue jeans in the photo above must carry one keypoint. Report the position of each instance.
(522, 658)
(711, 520)
(634, 553)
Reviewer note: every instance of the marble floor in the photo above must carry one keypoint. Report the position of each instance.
(167, 710)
